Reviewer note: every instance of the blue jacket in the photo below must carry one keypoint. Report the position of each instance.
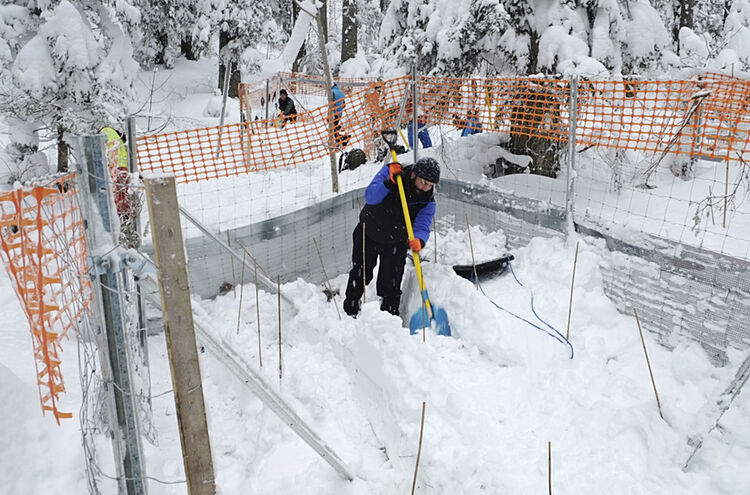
(338, 100)
(473, 126)
(423, 135)
(383, 214)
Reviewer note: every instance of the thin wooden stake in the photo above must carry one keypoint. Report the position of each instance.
(364, 269)
(434, 234)
(242, 290)
(658, 404)
(328, 282)
(726, 194)
(257, 312)
(471, 246)
(419, 452)
(231, 259)
(278, 292)
(572, 283)
(549, 466)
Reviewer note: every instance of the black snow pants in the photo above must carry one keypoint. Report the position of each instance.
(390, 274)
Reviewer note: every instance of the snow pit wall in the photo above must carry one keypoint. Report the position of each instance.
(676, 288)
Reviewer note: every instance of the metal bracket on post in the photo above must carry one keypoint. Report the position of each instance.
(572, 119)
(98, 211)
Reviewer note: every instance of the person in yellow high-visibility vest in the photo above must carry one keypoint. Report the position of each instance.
(116, 139)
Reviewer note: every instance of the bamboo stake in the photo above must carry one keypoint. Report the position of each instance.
(242, 290)
(549, 466)
(257, 312)
(328, 282)
(471, 246)
(572, 283)
(231, 259)
(434, 234)
(726, 194)
(419, 452)
(658, 404)
(278, 292)
(364, 269)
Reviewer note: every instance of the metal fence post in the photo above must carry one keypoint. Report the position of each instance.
(572, 118)
(102, 227)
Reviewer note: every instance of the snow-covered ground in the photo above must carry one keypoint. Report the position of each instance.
(496, 393)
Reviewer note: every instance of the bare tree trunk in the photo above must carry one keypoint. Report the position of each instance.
(62, 150)
(683, 11)
(234, 78)
(348, 30)
(302, 50)
(686, 13)
(186, 48)
(323, 10)
(531, 66)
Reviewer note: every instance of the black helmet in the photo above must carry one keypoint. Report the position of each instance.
(428, 169)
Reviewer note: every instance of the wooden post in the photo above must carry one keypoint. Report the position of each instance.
(278, 282)
(364, 264)
(419, 452)
(169, 254)
(549, 467)
(242, 290)
(234, 280)
(726, 196)
(572, 283)
(473, 261)
(257, 312)
(645, 352)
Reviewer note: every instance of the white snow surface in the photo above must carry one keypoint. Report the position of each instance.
(497, 394)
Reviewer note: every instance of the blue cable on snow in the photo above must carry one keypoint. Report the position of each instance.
(556, 335)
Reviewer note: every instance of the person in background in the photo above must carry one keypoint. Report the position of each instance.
(385, 236)
(338, 112)
(473, 126)
(126, 201)
(116, 141)
(423, 134)
(287, 110)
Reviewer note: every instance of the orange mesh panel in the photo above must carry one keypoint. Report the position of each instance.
(215, 152)
(44, 253)
(519, 106)
(701, 117)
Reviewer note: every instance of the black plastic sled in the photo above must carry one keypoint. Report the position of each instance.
(484, 269)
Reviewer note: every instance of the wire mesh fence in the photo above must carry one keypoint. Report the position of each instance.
(656, 165)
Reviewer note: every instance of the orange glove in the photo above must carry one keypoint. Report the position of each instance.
(415, 245)
(395, 169)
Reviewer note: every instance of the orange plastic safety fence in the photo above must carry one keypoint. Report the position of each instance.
(215, 152)
(702, 117)
(521, 106)
(44, 253)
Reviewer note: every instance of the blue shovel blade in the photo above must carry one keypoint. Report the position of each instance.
(421, 319)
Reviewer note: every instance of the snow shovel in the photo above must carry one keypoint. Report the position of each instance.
(428, 312)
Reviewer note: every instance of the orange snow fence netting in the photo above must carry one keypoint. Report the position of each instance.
(704, 117)
(251, 146)
(44, 252)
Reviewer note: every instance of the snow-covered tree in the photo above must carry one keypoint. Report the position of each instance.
(451, 38)
(242, 25)
(66, 68)
(736, 40)
(169, 28)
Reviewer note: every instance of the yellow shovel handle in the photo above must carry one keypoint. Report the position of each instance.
(410, 233)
